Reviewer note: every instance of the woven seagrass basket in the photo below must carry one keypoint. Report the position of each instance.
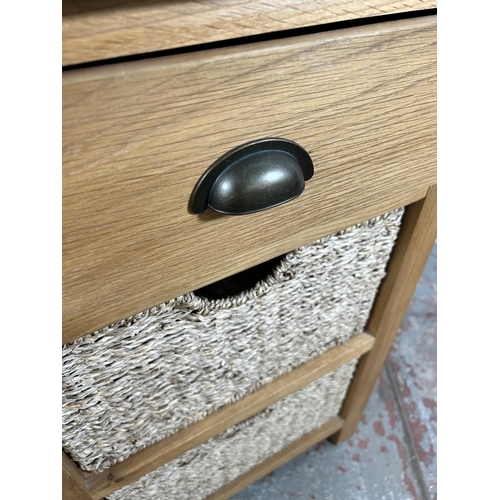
(206, 468)
(138, 381)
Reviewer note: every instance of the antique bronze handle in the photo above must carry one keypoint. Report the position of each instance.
(252, 177)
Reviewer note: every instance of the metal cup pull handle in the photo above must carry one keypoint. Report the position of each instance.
(255, 176)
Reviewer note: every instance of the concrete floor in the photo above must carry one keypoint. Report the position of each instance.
(392, 454)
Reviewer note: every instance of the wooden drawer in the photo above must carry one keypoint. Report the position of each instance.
(138, 135)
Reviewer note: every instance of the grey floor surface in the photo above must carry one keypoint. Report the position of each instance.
(392, 454)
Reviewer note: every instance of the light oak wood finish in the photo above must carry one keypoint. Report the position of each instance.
(415, 242)
(276, 460)
(73, 482)
(137, 136)
(103, 29)
(166, 450)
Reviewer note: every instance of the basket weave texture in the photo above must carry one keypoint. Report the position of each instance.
(142, 379)
(206, 468)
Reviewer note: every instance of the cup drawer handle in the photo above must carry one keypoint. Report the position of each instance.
(252, 177)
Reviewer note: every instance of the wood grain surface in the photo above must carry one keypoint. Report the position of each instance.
(415, 242)
(137, 136)
(277, 460)
(73, 482)
(166, 450)
(103, 29)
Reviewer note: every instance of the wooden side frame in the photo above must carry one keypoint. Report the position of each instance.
(415, 242)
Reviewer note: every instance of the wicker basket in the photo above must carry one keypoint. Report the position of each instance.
(206, 468)
(140, 380)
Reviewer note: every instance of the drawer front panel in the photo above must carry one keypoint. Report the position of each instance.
(137, 136)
